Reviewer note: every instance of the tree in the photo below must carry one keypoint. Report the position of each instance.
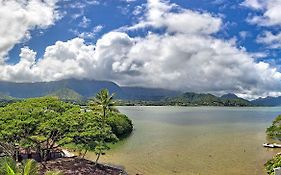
(275, 162)
(120, 124)
(104, 102)
(274, 131)
(44, 124)
(89, 132)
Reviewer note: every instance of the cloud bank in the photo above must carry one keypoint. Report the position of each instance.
(186, 56)
(19, 17)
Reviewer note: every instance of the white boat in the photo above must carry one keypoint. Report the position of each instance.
(272, 145)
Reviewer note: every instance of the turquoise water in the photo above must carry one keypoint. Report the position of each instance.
(194, 140)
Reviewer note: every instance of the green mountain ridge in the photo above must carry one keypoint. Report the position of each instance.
(195, 99)
(67, 94)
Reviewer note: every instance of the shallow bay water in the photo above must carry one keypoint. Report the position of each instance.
(194, 140)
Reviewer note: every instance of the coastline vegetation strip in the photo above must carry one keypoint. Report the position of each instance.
(274, 132)
(38, 128)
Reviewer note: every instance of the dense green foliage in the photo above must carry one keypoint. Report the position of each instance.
(194, 99)
(274, 131)
(5, 100)
(43, 124)
(275, 162)
(120, 124)
(9, 166)
(191, 99)
(105, 105)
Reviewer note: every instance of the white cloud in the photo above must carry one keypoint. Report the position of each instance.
(244, 34)
(184, 21)
(138, 10)
(255, 4)
(21, 70)
(270, 16)
(88, 35)
(18, 17)
(98, 28)
(270, 9)
(187, 57)
(70, 59)
(128, 1)
(85, 22)
(186, 62)
(270, 39)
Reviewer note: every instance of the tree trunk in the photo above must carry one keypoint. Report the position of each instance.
(98, 157)
(29, 154)
(84, 153)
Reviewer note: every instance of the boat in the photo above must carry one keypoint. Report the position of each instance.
(272, 145)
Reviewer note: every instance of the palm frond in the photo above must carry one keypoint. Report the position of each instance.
(8, 166)
(30, 167)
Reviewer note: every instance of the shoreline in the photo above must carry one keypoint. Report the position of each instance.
(80, 166)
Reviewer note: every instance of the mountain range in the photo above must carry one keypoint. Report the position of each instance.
(268, 101)
(73, 89)
(195, 99)
(79, 90)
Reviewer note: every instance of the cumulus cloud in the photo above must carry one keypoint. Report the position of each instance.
(254, 4)
(270, 12)
(270, 39)
(159, 15)
(185, 62)
(270, 17)
(19, 17)
(186, 56)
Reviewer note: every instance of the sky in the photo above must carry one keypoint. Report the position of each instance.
(215, 46)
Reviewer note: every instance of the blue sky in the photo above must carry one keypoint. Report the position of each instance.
(113, 14)
(249, 29)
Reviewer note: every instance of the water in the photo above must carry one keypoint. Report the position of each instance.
(194, 140)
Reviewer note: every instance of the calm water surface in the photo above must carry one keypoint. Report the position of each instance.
(194, 140)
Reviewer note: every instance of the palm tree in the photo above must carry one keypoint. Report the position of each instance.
(104, 100)
(9, 166)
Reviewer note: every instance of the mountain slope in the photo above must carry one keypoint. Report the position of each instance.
(67, 95)
(233, 100)
(268, 101)
(194, 99)
(149, 94)
(191, 98)
(229, 96)
(85, 88)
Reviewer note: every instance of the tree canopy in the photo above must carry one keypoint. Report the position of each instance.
(274, 131)
(43, 124)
